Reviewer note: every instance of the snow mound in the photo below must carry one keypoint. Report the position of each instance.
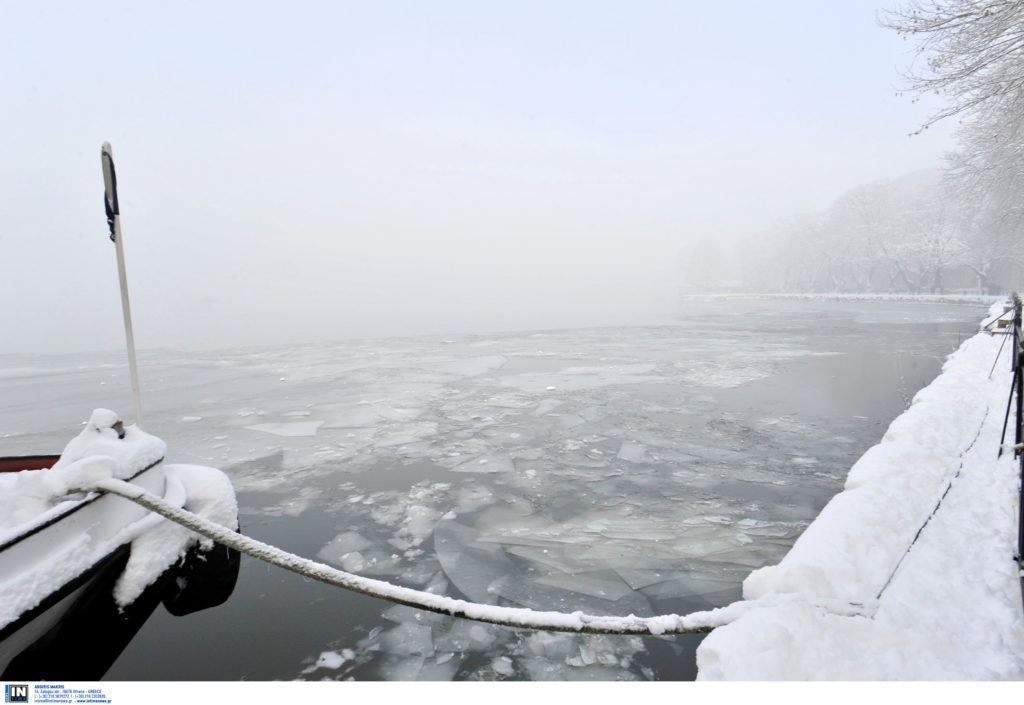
(206, 492)
(31, 498)
(96, 453)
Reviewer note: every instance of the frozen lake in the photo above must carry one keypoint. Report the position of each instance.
(615, 471)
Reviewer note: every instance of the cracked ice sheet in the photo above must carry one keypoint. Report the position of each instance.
(721, 375)
(404, 383)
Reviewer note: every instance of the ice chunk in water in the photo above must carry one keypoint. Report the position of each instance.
(593, 414)
(348, 542)
(352, 562)
(640, 578)
(632, 452)
(705, 582)
(586, 657)
(401, 614)
(400, 434)
(330, 659)
(291, 429)
(464, 636)
(438, 669)
(420, 572)
(548, 557)
(724, 374)
(494, 463)
(454, 639)
(602, 584)
(378, 562)
(481, 636)
(474, 366)
(535, 595)
(472, 498)
(355, 416)
(556, 647)
(564, 657)
(502, 665)
(698, 595)
(569, 420)
(419, 522)
(546, 406)
(473, 568)
(407, 639)
(402, 669)
(515, 503)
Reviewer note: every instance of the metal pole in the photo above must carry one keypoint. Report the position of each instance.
(114, 221)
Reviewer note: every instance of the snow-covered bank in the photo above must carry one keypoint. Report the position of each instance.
(944, 606)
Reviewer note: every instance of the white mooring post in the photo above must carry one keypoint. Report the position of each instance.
(114, 221)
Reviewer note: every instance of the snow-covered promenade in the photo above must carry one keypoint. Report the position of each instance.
(908, 574)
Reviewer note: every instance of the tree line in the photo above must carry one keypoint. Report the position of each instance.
(960, 228)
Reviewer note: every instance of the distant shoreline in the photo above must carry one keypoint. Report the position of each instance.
(972, 299)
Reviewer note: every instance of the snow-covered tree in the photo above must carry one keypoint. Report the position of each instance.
(895, 235)
(971, 51)
(918, 233)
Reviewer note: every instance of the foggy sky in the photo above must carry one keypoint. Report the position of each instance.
(312, 171)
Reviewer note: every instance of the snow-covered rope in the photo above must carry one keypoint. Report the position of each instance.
(694, 623)
(938, 505)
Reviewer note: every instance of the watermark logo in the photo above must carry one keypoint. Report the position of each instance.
(15, 693)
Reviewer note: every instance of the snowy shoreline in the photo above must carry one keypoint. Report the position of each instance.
(970, 299)
(908, 574)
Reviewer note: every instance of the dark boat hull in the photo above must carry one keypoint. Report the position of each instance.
(76, 631)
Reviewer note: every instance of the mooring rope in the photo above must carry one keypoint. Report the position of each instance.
(521, 617)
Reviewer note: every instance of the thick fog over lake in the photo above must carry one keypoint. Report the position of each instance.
(574, 306)
(344, 170)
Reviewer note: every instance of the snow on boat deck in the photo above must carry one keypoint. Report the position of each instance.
(850, 602)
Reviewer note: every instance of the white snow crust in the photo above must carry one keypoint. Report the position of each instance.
(134, 452)
(32, 497)
(857, 598)
(206, 492)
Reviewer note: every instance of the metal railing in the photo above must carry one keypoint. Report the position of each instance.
(1012, 329)
(1017, 389)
